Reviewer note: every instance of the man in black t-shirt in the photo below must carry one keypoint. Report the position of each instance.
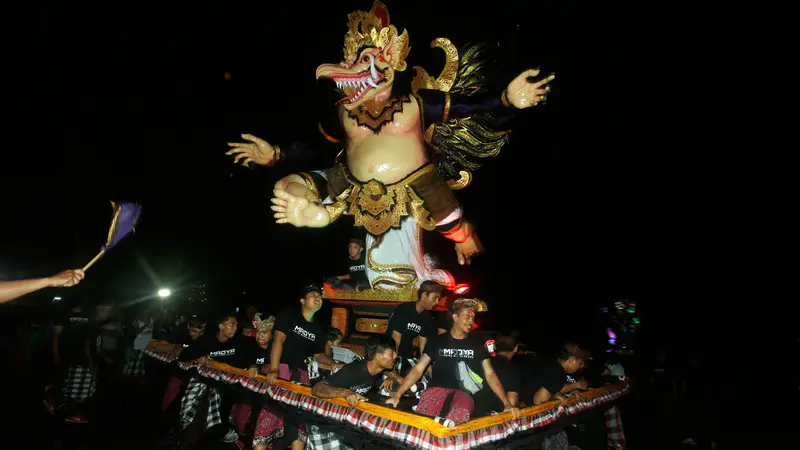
(354, 380)
(180, 338)
(457, 357)
(297, 332)
(411, 320)
(220, 346)
(506, 346)
(548, 376)
(356, 278)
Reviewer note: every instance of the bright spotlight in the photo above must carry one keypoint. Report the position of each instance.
(164, 293)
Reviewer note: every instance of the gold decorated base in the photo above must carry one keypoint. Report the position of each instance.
(376, 295)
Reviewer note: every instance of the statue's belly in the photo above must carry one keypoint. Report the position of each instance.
(386, 158)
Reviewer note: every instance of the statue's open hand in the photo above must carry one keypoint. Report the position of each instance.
(256, 151)
(468, 249)
(298, 211)
(523, 92)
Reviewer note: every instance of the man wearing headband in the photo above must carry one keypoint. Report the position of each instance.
(254, 354)
(457, 359)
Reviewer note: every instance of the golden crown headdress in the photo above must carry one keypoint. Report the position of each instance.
(372, 28)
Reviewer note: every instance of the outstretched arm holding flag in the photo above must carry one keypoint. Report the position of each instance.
(9, 290)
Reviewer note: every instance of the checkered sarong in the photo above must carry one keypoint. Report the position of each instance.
(614, 433)
(196, 391)
(79, 384)
(320, 440)
(134, 365)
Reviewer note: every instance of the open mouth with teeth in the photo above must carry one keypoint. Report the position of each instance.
(354, 85)
(357, 85)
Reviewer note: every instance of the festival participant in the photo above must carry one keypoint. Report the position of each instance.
(174, 343)
(73, 347)
(356, 278)
(549, 376)
(142, 331)
(352, 382)
(220, 346)
(506, 345)
(9, 290)
(456, 357)
(414, 320)
(334, 339)
(253, 356)
(297, 330)
(406, 147)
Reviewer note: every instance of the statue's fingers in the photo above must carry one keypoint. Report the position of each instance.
(278, 202)
(282, 221)
(252, 138)
(279, 215)
(240, 156)
(544, 81)
(529, 74)
(247, 162)
(234, 151)
(240, 144)
(281, 194)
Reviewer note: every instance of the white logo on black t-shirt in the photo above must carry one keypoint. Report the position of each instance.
(456, 353)
(260, 360)
(414, 327)
(306, 334)
(78, 320)
(218, 353)
(358, 268)
(361, 390)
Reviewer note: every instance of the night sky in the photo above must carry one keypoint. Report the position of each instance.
(601, 195)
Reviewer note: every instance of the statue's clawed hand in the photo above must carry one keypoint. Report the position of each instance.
(256, 151)
(298, 211)
(524, 92)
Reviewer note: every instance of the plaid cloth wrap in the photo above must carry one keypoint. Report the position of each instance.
(79, 384)
(195, 392)
(403, 434)
(134, 364)
(321, 440)
(614, 432)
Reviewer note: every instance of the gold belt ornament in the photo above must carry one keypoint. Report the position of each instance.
(379, 207)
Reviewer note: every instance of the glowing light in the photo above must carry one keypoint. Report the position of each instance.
(227, 76)
(461, 289)
(56, 299)
(164, 293)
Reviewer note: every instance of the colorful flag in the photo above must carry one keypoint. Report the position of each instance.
(122, 224)
(125, 217)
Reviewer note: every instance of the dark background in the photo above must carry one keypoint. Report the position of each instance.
(605, 193)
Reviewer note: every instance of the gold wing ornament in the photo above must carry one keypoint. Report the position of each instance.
(461, 144)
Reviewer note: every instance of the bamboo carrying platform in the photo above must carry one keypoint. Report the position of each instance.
(407, 428)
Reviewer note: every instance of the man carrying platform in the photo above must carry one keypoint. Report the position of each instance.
(299, 332)
(457, 357)
(351, 383)
(411, 320)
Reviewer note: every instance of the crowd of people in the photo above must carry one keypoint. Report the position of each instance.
(442, 370)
